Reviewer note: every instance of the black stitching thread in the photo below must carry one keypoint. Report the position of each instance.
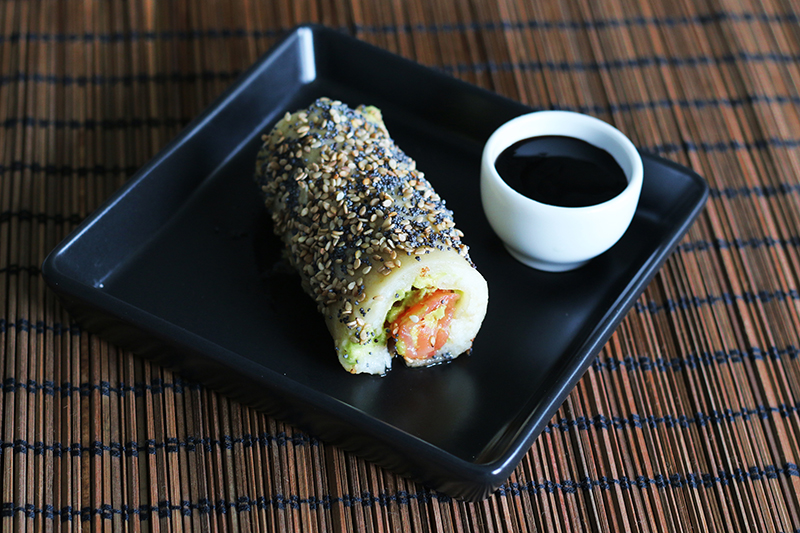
(598, 24)
(39, 326)
(165, 508)
(151, 447)
(693, 361)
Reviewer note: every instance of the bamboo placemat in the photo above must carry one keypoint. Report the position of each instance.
(689, 417)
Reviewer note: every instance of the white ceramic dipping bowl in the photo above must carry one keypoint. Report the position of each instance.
(549, 237)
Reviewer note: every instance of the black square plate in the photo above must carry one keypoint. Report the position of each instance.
(180, 265)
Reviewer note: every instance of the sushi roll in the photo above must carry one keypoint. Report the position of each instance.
(374, 245)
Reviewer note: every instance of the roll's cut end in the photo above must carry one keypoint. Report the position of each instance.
(406, 298)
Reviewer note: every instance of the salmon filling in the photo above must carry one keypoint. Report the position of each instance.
(420, 330)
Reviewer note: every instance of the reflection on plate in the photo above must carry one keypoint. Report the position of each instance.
(180, 266)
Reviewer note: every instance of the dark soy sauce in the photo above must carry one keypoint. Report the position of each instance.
(561, 171)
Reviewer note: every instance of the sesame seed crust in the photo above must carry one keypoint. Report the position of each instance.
(349, 205)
